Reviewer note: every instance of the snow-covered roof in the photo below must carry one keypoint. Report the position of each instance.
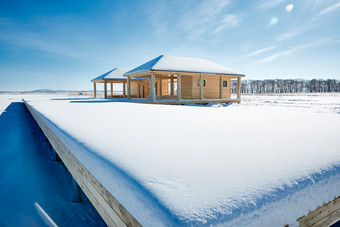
(182, 64)
(116, 73)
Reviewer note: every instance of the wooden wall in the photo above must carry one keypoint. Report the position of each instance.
(187, 85)
(191, 90)
(165, 87)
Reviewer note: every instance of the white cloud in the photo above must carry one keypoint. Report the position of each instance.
(228, 21)
(265, 4)
(293, 50)
(191, 20)
(330, 9)
(257, 52)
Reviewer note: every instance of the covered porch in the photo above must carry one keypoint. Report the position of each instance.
(184, 87)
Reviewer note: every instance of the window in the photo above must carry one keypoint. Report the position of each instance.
(198, 82)
(225, 83)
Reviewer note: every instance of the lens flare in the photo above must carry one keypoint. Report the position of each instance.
(289, 7)
(274, 21)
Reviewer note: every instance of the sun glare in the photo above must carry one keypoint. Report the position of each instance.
(289, 7)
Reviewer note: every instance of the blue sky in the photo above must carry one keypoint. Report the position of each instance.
(64, 44)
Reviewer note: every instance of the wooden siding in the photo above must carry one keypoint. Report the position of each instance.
(186, 87)
(113, 213)
(165, 86)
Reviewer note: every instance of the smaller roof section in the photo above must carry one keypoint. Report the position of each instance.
(114, 74)
(183, 64)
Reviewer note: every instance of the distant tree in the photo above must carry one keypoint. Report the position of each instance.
(287, 86)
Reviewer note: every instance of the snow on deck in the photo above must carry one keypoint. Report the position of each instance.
(193, 165)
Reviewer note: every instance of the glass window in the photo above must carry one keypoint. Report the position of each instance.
(225, 83)
(198, 82)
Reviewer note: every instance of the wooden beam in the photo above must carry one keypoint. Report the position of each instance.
(201, 86)
(112, 90)
(105, 90)
(152, 87)
(179, 87)
(128, 88)
(221, 87)
(124, 92)
(160, 86)
(326, 215)
(94, 90)
(239, 87)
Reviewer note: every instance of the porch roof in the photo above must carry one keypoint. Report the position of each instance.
(114, 74)
(182, 64)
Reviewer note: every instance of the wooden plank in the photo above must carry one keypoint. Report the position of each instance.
(325, 215)
(113, 213)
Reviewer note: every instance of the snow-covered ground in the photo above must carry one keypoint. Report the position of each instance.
(31, 185)
(264, 162)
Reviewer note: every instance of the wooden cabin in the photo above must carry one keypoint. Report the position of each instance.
(171, 79)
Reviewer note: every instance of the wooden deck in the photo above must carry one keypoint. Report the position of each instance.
(112, 212)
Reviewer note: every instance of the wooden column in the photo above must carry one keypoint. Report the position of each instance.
(111, 90)
(124, 92)
(94, 90)
(139, 90)
(152, 87)
(172, 86)
(160, 86)
(105, 89)
(238, 87)
(128, 88)
(221, 87)
(179, 87)
(201, 86)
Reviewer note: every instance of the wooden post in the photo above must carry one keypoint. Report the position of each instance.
(201, 86)
(124, 92)
(111, 90)
(105, 89)
(179, 87)
(238, 87)
(160, 87)
(139, 90)
(172, 86)
(76, 191)
(128, 88)
(94, 90)
(152, 87)
(221, 87)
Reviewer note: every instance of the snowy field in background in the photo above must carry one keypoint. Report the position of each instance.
(263, 162)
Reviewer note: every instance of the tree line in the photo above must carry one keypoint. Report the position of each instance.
(287, 86)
